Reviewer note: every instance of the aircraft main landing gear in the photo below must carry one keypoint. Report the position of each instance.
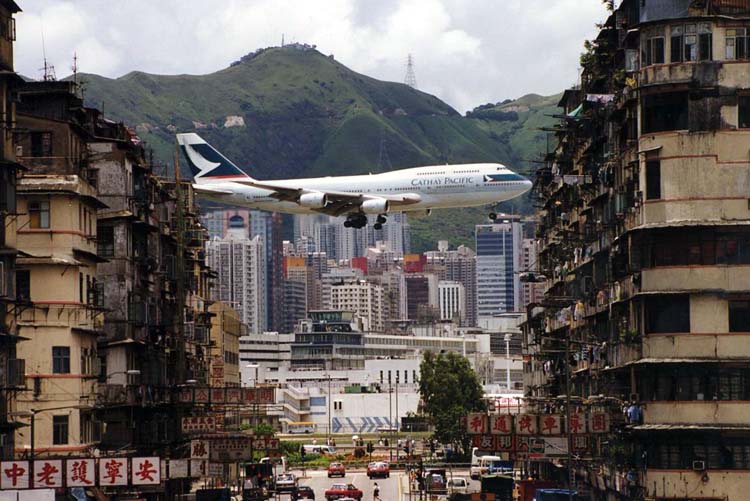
(379, 222)
(355, 221)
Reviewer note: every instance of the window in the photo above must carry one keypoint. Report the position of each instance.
(23, 285)
(737, 43)
(39, 214)
(59, 430)
(61, 360)
(41, 144)
(675, 44)
(105, 241)
(654, 51)
(739, 316)
(666, 111)
(669, 313)
(80, 288)
(653, 179)
(698, 42)
(743, 112)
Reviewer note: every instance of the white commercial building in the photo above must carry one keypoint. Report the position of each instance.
(452, 299)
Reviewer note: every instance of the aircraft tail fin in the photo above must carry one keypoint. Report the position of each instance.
(206, 163)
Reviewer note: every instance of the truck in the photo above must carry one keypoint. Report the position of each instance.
(499, 485)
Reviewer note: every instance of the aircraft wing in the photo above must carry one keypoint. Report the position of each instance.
(202, 188)
(339, 202)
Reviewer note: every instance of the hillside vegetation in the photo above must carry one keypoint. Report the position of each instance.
(294, 112)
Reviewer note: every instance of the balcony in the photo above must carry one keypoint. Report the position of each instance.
(697, 412)
(697, 346)
(118, 395)
(734, 278)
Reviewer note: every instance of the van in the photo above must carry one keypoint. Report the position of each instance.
(325, 450)
(474, 469)
(490, 465)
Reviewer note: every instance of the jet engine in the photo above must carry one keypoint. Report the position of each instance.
(313, 200)
(375, 206)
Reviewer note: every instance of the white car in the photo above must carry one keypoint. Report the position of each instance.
(286, 482)
(458, 484)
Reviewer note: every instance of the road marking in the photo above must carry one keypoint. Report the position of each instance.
(400, 496)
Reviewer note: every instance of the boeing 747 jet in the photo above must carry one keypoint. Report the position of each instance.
(418, 189)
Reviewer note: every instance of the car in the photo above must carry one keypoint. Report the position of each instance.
(336, 469)
(378, 469)
(458, 484)
(343, 491)
(303, 492)
(286, 482)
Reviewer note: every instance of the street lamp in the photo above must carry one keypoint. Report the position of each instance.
(507, 338)
(255, 384)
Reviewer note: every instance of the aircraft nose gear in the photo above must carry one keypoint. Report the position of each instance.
(379, 222)
(355, 221)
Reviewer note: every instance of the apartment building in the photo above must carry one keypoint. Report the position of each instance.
(57, 205)
(364, 298)
(239, 263)
(12, 368)
(645, 235)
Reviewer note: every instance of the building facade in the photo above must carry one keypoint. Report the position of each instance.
(498, 264)
(645, 230)
(239, 263)
(452, 299)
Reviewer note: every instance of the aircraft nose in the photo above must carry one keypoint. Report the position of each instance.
(526, 186)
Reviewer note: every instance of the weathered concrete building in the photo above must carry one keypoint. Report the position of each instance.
(58, 201)
(645, 236)
(11, 367)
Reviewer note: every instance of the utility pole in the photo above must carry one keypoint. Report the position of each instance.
(411, 78)
(571, 471)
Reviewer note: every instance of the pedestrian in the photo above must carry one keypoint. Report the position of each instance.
(376, 492)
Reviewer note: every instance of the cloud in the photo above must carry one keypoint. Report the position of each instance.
(466, 53)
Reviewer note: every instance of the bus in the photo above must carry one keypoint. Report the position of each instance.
(300, 427)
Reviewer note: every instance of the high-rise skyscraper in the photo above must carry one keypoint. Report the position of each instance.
(267, 226)
(240, 265)
(458, 266)
(498, 263)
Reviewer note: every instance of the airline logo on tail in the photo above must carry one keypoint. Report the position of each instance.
(205, 162)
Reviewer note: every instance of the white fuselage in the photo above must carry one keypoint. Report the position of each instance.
(437, 187)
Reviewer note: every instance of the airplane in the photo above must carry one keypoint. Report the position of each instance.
(412, 190)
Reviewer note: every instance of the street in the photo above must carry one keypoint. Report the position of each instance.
(389, 487)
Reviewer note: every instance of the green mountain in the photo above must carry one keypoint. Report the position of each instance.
(294, 112)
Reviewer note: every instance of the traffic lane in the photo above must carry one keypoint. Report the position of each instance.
(389, 487)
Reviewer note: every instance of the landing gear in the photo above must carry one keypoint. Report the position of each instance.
(355, 221)
(492, 216)
(379, 222)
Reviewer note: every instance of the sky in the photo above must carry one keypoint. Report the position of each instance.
(466, 52)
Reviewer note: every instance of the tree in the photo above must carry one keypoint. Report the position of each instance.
(449, 389)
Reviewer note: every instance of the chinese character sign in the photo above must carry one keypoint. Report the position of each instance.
(178, 468)
(504, 443)
(198, 424)
(14, 475)
(146, 471)
(599, 422)
(48, 474)
(199, 449)
(501, 424)
(484, 443)
(80, 472)
(526, 424)
(550, 424)
(476, 424)
(577, 424)
(113, 471)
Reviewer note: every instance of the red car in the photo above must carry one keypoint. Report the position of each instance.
(336, 469)
(378, 469)
(338, 491)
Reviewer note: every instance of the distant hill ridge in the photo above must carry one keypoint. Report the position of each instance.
(294, 112)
